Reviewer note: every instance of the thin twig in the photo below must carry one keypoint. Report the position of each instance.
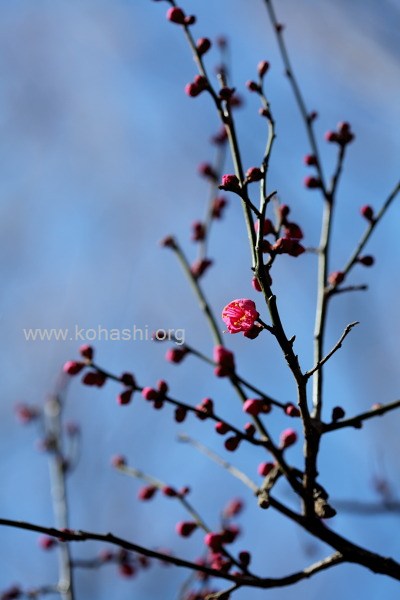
(336, 347)
(357, 421)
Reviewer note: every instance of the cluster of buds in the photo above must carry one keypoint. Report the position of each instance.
(177, 15)
(342, 136)
(156, 395)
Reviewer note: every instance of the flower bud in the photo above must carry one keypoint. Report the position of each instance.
(203, 45)
(262, 67)
(185, 528)
(336, 278)
(288, 438)
(265, 468)
(367, 212)
(176, 15)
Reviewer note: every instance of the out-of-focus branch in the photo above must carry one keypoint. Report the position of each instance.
(356, 422)
(53, 414)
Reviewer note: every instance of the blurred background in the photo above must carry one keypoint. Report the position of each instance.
(99, 152)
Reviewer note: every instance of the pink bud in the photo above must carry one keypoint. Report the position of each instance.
(213, 541)
(169, 491)
(221, 427)
(265, 468)
(310, 160)
(72, 367)
(94, 378)
(291, 410)
(312, 183)
(168, 242)
(126, 570)
(336, 278)
(331, 136)
(86, 351)
(199, 267)
(230, 183)
(255, 407)
(147, 492)
(367, 212)
(198, 231)
(149, 393)
(128, 380)
(250, 429)
(203, 45)
(262, 67)
(46, 542)
(293, 231)
(125, 397)
(208, 171)
(176, 15)
(254, 174)
(217, 207)
(252, 86)
(224, 357)
(232, 443)
(180, 414)
(185, 528)
(162, 387)
(256, 284)
(288, 438)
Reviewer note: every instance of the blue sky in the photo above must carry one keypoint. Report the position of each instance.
(99, 148)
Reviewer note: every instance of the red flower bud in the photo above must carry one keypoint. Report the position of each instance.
(176, 15)
(180, 414)
(72, 367)
(331, 136)
(254, 174)
(265, 468)
(126, 570)
(310, 160)
(255, 407)
(256, 284)
(267, 228)
(232, 443)
(293, 231)
(224, 357)
(250, 429)
(203, 45)
(128, 380)
(367, 261)
(149, 393)
(208, 171)
(230, 183)
(252, 86)
(46, 542)
(213, 541)
(147, 492)
(125, 397)
(367, 212)
(94, 378)
(288, 438)
(176, 355)
(291, 410)
(312, 183)
(199, 267)
(198, 231)
(217, 207)
(221, 427)
(86, 351)
(262, 68)
(169, 491)
(336, 278)
(185, 528)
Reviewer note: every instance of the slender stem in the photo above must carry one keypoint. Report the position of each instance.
(335, 348)
(53, 415)
(358, 420)
(204, 305)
